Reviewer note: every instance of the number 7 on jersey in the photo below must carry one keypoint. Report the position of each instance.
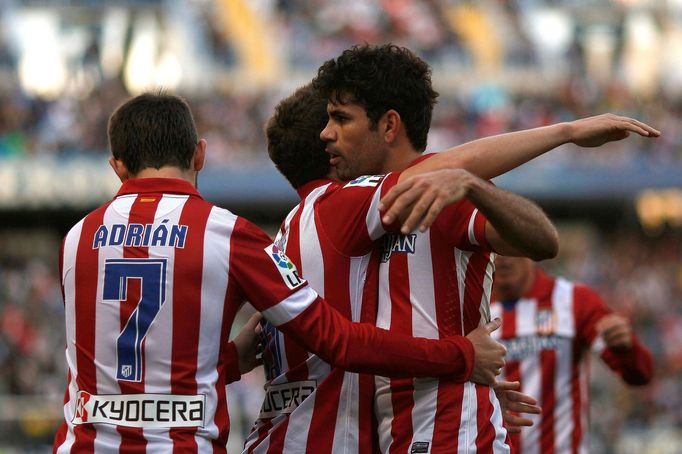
(152, 273)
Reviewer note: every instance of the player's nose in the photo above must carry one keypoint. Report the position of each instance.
(328, 134)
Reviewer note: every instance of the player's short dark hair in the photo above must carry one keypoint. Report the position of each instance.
(380, 78)
(293, 134)
(153, 130)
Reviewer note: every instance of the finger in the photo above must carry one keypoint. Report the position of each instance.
(493, 325)
(401, 204)
(504, 385)
(652, 132)
(417, 212)
(393, 194)
(516, 396)
(517, 421)
(519, 407)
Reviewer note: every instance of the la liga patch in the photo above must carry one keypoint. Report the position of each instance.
(286, 267)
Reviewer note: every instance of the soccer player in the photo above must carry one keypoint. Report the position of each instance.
(334, 419)
(549, 327)
(151, 283)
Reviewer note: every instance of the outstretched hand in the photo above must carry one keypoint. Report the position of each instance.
(419, 200)
(514, 403)
(248, 345)
(598, 130)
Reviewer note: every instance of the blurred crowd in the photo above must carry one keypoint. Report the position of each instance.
(232, 122)
(638, 276)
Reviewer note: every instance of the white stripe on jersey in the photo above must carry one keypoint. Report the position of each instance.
(562, 302)
(374, 226)
(499, 444)
(471, 231)
(529, 370)
(346, 434)
(468, 427)
(289, 308)
(68, 282)
(564, 425)
(487, 290)
(356, 281)
(424, 323)
(312, 263)
(425, 404)
(461, 262)
(213, 288)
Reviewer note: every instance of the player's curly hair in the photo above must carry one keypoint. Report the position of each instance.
(153, 130)
(293, 135)
(380, 78)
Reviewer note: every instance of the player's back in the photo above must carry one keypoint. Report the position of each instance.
(344, 273)
(148, 311)
(434, 284)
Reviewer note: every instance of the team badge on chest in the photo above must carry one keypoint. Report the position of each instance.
(545, 322)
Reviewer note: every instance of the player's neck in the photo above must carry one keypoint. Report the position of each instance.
(168, 172)
(400, 158)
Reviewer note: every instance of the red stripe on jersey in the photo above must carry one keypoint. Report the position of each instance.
(222, 418)
(547, 380)
(277, 438)
(446, 291)
(132, 438)
(402, 390)
(187, 277)
(448, 417)
(330, 389)
(85, 297)
(486, 432)
(449, 318)
(577, 381)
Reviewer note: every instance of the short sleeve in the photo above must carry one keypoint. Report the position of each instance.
(463, 226)
(265, 276)
(349, 215)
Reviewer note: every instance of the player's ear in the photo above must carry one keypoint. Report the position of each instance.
(119, 168)
(199, 155)
(389, 125)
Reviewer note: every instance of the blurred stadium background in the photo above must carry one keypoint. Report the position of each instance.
(499, 66)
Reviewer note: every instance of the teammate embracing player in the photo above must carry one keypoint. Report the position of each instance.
(151, 283)
(375, 128)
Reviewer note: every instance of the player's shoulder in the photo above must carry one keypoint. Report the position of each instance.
(365, 181)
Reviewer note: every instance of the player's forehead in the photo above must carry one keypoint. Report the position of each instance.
(344, 105)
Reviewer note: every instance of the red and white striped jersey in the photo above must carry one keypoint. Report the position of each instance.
(330, 236)
(151, 283)
(436, 284)
(548, 333)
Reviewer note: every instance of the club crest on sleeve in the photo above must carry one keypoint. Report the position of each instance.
(285, 267)
(365, 180)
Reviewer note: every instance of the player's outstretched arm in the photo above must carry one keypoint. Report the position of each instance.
(516, 225)
(265, 277)
(492, 156)
(624, 353)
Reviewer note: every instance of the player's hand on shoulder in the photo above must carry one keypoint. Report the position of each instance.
(598, 130)
(615, 330)
(488, 353)
(248, 343)
(418, 201)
